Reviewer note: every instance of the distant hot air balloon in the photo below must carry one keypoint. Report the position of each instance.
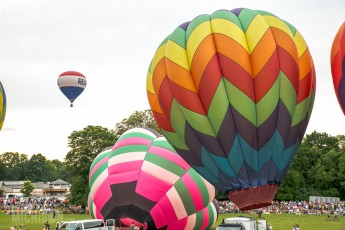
(2, 105)
(338, 65)
(72, 84)
(144, 179)
(233, 92)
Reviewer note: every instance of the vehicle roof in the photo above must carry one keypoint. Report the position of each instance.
(84, 221)
(241, 218)
(230, 225)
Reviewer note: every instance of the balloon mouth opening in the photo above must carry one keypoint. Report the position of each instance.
(253, 198)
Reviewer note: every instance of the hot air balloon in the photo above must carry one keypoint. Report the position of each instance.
(71, 84)
(338, 65)
(233, 93)
(2, 105)
(144, 179)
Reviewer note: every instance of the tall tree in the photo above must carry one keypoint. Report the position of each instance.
(56, 167)
(15, 164)
(28, 187)
(85, 145)
(2, 171)
(39, 169)
(292, 182)
(137, 119)
(324, 175)
(322, 141)
(341, 174)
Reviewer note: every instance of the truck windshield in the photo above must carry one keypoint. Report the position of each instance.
(68, 226)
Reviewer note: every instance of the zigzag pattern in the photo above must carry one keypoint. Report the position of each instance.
(338, 65)
(143, 178)
(233, 93)
(3, 105)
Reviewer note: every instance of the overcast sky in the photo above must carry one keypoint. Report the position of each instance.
(112, 42)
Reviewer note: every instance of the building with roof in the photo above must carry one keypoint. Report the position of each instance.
(55, 188)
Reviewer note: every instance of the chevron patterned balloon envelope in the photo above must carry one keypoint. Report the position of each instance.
(143, 178)
(338, 65)
(3, 105)
(233, 93)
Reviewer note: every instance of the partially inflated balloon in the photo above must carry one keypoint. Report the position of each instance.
(338, 65)
(2, 105)
(71, 84)
(143, 178)
(233, 92)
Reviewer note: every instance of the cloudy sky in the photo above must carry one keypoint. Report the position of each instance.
(112, 42)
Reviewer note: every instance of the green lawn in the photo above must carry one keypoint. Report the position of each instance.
(279, 222)
(286, 222)
(36, 222)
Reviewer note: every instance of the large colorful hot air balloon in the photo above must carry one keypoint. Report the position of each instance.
(143, 178)
(338, 65)
(233, 92)
(2, 105)
(71, 84)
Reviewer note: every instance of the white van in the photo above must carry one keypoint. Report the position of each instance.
(19, 196)
(249, 223)
(92, 224)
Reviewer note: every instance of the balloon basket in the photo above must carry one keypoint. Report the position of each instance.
(253, 198)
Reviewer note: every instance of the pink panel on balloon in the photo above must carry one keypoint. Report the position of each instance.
(169, 213)
(132, 141)
(180, 224)
(99, 214)
(171, 156)
(151, 187)
(194, 190)
(158, 216)
(103, 194)
(124, 177)
(125, 167)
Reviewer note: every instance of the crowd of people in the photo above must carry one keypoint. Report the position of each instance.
(36, 205)
(331, 209)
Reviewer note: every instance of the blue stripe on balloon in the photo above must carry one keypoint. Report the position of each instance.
(71, 92)
(249, 170)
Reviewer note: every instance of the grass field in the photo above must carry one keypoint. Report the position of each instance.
(279, 222)
(286, 222)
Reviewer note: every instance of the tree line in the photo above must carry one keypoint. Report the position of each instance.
(318, 168)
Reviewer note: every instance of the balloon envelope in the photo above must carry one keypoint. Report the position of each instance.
(233, 92)
(71, 84)
(3, 105)
(338, 65)
(144, 179)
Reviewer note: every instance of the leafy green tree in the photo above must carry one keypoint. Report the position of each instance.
(341, 140)
(324, 175)
(292, 182)
(39, 169)
(60, 170)
(341, 174)
(318, 163)
(85, 145)
(27, 188)
(64, 173)
(322, 141)
(306, 158)
(137, 119)
(15, 165)
(2, 171)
